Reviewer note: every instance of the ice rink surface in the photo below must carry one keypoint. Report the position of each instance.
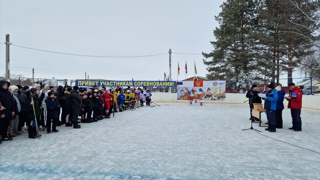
(171, 141)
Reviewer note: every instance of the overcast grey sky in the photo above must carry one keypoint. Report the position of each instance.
(105, 27)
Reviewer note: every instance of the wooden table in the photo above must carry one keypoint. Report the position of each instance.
(257, 114)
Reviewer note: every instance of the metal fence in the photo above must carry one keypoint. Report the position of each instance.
(308, 85)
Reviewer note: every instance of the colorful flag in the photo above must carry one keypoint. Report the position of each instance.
(178, 69)
(195, 68)
(186, 68)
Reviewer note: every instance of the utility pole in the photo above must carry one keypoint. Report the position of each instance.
(170, 64)
(33, 75)
(8, 57)
(170, 67)
(85, 76)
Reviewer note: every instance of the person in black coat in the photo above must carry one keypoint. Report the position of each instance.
(249, 95)
(254, 99)
(98, 107)
(37, 98)
(26, 114)
(88, 105)
(7, 112)
(67, 107)
(61, 98)
(76, 104)
(53, 108)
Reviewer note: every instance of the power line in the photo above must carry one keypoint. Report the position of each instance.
(85, 55)
(190, 54)
(102, 56)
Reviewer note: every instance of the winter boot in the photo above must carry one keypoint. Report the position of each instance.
(76, 126)
(17, 132)
(273, 128)
(269, 127)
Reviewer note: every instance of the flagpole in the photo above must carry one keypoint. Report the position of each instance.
(194, 70)
(185, 70)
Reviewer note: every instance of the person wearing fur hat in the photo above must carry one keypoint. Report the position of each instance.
(53, 108)
(254, 99)
(280, 106)
(270, 105)
(249, 95)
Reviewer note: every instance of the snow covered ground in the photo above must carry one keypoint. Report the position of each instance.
(172, 141)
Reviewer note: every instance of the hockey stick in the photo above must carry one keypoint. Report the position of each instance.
(35, 120)
(114, 107)
(155, 104)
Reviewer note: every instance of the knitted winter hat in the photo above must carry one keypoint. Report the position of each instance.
(36, 85)
(19, 86)
(256, 89)
(75, 88)
(291, 84)
(271, 86)
(278, 88)
(25, 88)
(50, 93)
(13, 88)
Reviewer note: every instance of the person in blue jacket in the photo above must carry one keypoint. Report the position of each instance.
(121, 100)
(53, 108)
(270, 105)
(280, 106)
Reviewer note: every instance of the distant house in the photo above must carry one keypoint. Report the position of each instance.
(196, 78)
(305, 83)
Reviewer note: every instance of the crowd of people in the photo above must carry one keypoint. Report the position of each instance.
(274, 98)
(43, 108)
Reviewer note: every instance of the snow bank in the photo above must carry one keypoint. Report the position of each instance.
(172, 141)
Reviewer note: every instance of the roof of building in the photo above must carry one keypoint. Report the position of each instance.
(199, 77)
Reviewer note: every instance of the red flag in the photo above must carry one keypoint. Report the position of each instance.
(186, 68)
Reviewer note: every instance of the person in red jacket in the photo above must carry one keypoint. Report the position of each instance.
(295, 104)
(107, 101)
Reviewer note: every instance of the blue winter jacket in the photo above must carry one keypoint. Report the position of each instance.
(271, 102)
(281, 95)
(53, 107)
(121, 98)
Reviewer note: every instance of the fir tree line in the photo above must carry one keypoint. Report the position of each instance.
(260, 39)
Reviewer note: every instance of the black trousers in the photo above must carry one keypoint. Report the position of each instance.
(76, 113)
(4, 124)
(25, 117)
(89, 114)
(63, 115)
(53, 123)
(279, 118)
(296, 119)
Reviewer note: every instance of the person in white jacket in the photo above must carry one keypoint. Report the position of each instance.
(45, 90)
(148, 97)
(142, 98)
